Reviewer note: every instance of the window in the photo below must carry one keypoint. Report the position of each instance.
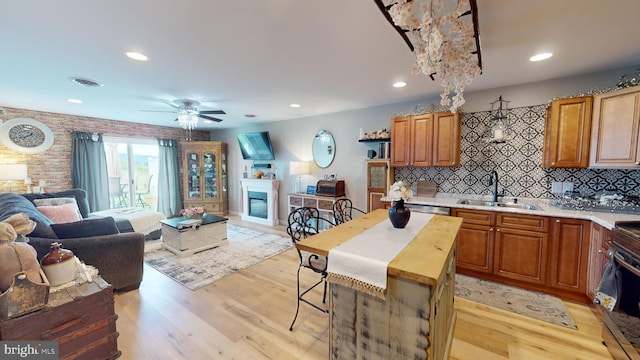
(132, 167)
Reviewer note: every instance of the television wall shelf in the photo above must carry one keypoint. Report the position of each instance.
(374, 140)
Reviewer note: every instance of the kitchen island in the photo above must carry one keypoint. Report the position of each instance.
(416, 318)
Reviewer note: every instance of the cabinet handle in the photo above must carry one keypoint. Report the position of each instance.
(557, 220)
(637, 162)
(497, 230)
(600, 251)
(490, 229)
(553, 164)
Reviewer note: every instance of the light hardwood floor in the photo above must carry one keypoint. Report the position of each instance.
(246, 316)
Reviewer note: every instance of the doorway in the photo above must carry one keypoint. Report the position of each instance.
(132, 167)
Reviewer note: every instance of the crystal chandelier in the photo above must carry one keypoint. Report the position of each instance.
(443, 35)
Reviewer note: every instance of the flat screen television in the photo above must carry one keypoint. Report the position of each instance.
(256, 146)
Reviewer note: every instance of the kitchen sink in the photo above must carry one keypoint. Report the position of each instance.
(497, 204)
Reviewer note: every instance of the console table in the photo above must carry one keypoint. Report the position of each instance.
(80, 318)
(324, 204)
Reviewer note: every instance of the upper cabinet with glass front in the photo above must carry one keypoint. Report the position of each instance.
(204, 166)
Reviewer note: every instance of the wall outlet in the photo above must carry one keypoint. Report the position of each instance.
(556, 187)
(567, 186)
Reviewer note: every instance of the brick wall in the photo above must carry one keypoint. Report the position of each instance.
(54, 165)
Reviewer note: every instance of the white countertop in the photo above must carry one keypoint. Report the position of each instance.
(543, 206)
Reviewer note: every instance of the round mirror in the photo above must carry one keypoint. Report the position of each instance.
(323, 149)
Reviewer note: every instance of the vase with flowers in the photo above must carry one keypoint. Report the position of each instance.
(399, 214)
(194, 212)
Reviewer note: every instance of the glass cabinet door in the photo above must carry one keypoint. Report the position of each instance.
(194, 175)
(210, 180)
(223, 163)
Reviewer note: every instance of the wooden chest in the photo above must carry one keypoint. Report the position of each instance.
(80, 318)
(333, 188)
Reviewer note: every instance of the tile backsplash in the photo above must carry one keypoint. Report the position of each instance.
(518, 163)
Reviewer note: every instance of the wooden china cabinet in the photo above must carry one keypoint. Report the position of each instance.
(204, 169)
(379, 178)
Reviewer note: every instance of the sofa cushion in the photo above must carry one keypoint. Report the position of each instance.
(86, 228)
(11, 204)
(79, 194)
(65, 213)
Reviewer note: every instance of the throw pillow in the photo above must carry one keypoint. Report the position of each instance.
(61, 213)
(86, 228)
(57, 202)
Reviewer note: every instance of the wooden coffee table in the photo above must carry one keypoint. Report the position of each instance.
(183, 239)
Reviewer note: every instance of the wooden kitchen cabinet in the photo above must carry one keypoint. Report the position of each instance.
(615, 130)
(475, 243)
(204, 168)
(521, 247)
(598, 258)
(570, 254)
(567, 133)
(379, 178)
(426, 140)
(503, 245)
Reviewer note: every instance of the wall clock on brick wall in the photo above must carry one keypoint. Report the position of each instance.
(26, 135)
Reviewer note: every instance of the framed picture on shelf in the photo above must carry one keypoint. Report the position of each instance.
(311, 190)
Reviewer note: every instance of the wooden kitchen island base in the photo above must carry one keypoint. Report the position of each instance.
(415, 322)
(416, 319)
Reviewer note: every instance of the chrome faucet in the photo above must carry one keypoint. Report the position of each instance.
(493, 180)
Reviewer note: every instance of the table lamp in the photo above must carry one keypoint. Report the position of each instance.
(11, 172)
(299, 168)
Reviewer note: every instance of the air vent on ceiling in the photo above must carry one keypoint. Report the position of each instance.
(86, 82)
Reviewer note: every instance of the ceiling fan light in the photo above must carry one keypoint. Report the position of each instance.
(187, 120)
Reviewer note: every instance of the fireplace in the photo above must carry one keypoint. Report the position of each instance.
(260, 201)
(258, 204)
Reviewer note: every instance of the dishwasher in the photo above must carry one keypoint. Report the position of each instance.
(428, 209)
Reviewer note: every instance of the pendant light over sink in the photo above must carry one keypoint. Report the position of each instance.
(499, 131)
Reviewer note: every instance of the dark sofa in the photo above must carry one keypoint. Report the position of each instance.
(118, 256)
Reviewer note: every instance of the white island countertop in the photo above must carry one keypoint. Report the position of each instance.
(543, 208)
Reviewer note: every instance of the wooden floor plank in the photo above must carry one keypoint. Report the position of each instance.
(246, 316)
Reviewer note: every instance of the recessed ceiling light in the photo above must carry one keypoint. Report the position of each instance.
(541, 56)
(399, 84)
(295, 105)
(75, 101)
(250, 115)
(137, 56)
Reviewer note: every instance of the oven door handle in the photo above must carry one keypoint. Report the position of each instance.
(620, 259)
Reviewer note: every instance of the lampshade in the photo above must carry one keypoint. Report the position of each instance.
(299, 167)
(13, 171)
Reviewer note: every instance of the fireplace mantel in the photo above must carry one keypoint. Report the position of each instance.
(270, 187)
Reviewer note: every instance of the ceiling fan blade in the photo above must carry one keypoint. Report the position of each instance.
(209, 118)
(216, 112)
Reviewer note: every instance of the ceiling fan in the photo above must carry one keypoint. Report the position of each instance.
(189, 108)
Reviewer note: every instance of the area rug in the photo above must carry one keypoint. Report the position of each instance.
(243, 248)
(533, 304)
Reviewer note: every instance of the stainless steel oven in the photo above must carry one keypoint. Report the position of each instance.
(621, 332)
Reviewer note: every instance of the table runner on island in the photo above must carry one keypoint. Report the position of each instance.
(361, 263)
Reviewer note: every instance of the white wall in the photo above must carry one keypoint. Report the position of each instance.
(292, 138)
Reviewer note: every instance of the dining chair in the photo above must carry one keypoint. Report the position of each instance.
(304, 222)
(344, 211)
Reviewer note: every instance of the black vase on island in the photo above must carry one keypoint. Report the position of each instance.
(399, 214)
